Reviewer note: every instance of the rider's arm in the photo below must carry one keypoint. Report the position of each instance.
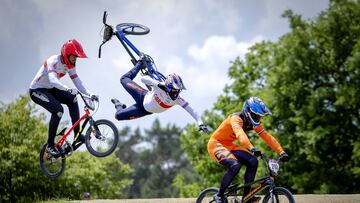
(53, 79)
(189, 109)
(236, 124)
(269, 139)
(147, 80)
(77, 82)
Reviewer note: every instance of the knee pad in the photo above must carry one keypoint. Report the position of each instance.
(59, 111)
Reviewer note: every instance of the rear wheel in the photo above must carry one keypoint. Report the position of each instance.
(280, 195)
(101, 140)
(207, 195)
(50, 166)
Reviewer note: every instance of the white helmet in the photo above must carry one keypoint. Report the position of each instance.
(174, 81)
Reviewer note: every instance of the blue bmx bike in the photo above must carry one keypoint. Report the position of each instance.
(121, 31)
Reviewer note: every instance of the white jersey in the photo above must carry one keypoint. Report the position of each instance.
(157, 100)
(51, 71)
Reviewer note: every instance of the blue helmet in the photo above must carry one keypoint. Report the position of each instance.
(254, 109)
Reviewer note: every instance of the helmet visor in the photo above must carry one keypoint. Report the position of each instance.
(255, 117)
(173, 93)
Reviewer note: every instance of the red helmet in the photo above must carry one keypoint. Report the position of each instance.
(72, 47)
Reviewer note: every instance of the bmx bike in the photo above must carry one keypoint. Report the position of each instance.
(274, 194)
(122, 30)
(101, 139)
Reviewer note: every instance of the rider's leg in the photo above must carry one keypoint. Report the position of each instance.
(130, 86)
(70, 100)
(251, 164)
(132, 112)
(137, 92)
(44, 98)
(233, 167)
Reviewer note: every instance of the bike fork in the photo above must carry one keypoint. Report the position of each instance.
(96, 130)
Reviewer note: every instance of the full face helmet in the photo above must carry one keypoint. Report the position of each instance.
(174, 85)
(72, 47)
(254, 109)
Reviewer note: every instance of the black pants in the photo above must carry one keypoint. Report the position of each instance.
(233, 166)
(51, 100)
(138, 93)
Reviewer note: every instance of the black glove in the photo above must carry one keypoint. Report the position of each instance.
(94, 97)
(203, 128)
(255, 152)
(284, 157)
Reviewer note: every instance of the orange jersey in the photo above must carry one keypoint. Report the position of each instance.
(231, 130)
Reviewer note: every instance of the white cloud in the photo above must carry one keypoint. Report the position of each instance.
(205, 74)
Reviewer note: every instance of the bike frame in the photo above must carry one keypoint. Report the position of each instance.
(148, 63)
(263, 183)
(267, 181)
(86, 116)
(126, 44)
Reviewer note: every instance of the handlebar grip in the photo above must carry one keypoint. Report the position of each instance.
(104, 17)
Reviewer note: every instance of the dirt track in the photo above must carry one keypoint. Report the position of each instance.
(298, 199)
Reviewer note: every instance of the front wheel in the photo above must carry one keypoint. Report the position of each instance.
(207, 195)
(280, 195)
(102, 138)
(50, 166)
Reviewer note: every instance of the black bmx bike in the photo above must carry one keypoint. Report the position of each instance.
(274, 194)
(101, 139)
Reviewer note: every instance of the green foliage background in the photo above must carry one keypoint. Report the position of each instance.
(22, 134)
(309, 78)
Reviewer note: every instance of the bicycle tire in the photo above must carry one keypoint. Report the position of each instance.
(129, 29)
(48, 163)
(286, 196)
(93, 141)
(207, 195)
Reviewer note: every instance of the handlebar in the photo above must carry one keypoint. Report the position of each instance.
(89, 102)
(273, 165)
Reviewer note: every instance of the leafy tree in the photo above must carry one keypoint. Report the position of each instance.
(310, 80)
(22, 134)
(156, 157)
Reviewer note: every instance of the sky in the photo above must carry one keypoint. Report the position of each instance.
(195, 39)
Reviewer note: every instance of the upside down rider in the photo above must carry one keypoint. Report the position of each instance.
(163, 96)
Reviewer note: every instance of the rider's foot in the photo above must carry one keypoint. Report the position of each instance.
(118, 104)
(254, 199)
(52, 150)
(220, 198)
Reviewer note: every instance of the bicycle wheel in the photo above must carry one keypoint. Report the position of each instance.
(101, 140)
(280, 195)
(207, 195)
(50, 166)
(132, 29)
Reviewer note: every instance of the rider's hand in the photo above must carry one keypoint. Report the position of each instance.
(94, 97)
(72, 91)
(255, 152)
(203, 128)
(284, 157)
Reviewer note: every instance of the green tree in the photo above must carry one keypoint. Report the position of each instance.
(157, 158)
(22, 134)
(310, 80)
